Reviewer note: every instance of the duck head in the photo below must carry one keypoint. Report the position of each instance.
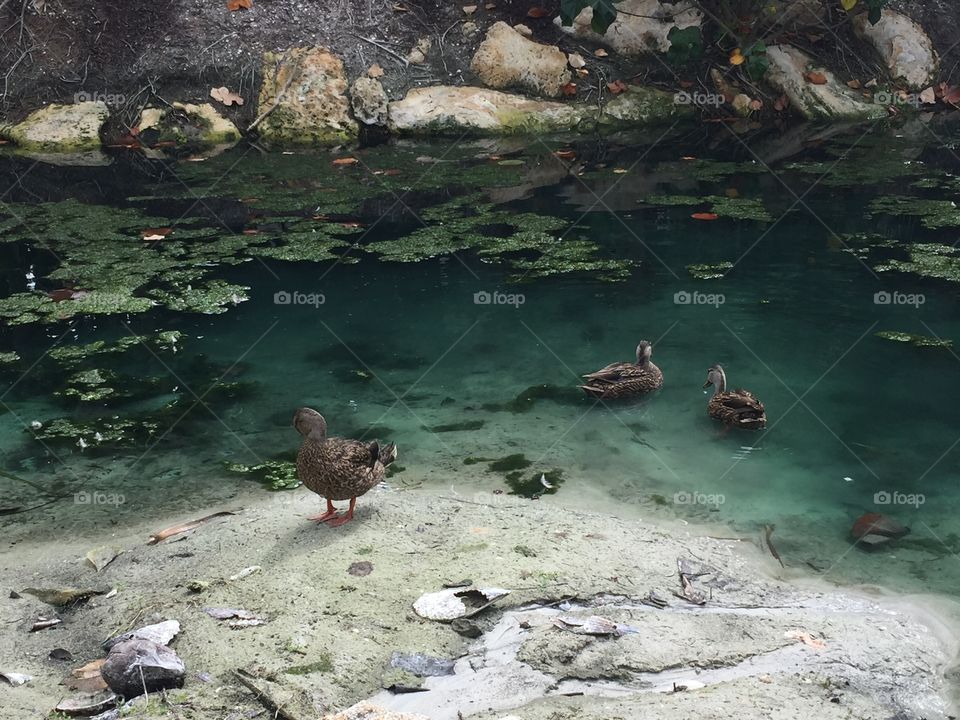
(644, 352)
(717, 378)
(310, 424)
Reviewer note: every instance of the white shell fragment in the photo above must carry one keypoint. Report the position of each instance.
(245, 572)
(15, 678)
(454, 603)
(161, 633)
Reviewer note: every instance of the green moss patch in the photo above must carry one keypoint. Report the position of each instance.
(933, 214)
(531, 486)
(707, 271)
(921, 341)
(274, 474)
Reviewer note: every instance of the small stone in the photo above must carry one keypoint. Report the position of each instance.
(469, 29)
(198, 586)
(416, 57)
(742, 105)
(138, 666)
(523, 30)
(368, 100)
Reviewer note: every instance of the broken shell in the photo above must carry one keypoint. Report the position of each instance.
(453, 603)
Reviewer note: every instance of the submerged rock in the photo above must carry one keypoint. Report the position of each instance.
(640, 105)
(369, 101)
(307, 89)
(904, 46)
(187, 122)
(508, 59)
(831, 100)
(641, 27)
(446, 109)
(139, 666)
(60, 128)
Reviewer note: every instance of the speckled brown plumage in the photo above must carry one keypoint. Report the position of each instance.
(337, 468)
(739, 408)
(626, 379)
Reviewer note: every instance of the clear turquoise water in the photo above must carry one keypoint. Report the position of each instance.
(399, 348)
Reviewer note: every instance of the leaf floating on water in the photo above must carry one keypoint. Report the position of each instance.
(345, 161)
(177, 529)
(102, 556)
(15, 678)
(704, 216)
(58, 597)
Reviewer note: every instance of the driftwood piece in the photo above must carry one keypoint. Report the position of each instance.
(767, 532)
(177, 529)
(274, 706)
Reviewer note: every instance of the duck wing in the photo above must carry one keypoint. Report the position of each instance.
(614, 372)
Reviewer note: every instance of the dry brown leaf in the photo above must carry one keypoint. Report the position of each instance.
(928, 96)
(576, 60)
(400, 7)
(346, 161)
(816, 78)
(617, 86)
(537, 12)
(583, 72)
(756, 104)
(375, 71)
(569, 89)
(806, 638)
(854, 84)
(600, 52)
(234, 5)
(225, 96)
(469, 9)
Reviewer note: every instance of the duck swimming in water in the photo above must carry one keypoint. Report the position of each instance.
(626, 379)
(337, 468)
(739, 408)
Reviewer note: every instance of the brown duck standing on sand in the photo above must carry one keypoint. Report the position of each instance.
(625, 379)
(337, 468)
(738, 408)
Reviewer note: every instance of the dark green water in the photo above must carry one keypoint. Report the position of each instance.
(402, 350)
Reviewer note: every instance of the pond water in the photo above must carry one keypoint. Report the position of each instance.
(161, 320)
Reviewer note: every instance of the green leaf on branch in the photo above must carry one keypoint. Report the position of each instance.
(604, 12)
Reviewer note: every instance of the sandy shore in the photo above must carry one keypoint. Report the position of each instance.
(769, 642)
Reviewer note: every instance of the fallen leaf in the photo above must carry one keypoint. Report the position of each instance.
(234, 5)
(565, 154)
(928, 96)
(346, 161)
(576, 60)
(537, 12)
(737, 58)
(952, 95)
(816, 78)
(756, 104)
(600, 52)
(58, 597)
(375, 71)
(177, 529)
(61, 294)
(781, 103)
(469, 9)
(583, 72)
(854, 84)
(225, 96)
(104, 555)
(87, 678)
(704, 216)
(351, 224)
(569, 89)
(489, 6)
(617, 86)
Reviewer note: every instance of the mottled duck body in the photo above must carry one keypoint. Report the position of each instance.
(625, 379)
(737, 408)
(337, 468)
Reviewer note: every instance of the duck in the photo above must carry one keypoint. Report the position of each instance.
(737, 408)
(337, 468)
(625, 379)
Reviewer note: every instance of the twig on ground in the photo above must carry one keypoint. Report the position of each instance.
(399, 58)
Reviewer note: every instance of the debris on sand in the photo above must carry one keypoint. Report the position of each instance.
(139, 666)
(239, 618)
(87, 705)
(161, 633)
(453, 603)
(15, 678)
(593, 625)
(102, 556)
(421, 665)
(43, 623)
(874, 529)
(806, 638)
(159, 537)
(60, 597)
(246, 572)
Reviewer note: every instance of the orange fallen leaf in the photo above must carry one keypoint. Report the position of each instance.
(853, 84)
(737, 58)
(234, 5)
(952, 95)
(251, 231)
(704, 216)
(617, 86)
(346, 161)
(177, 529)
(565, 154)
(582, 72)
(756, 104)
(537, 12)
(155, 233)
(569, 89)
(351, 224)
(816, 78)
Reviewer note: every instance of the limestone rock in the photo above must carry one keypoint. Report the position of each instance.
(309, 88)
(137, 666)
(904, 46)
(369, 101)
(830, 101)
(447, 109)
(641, 26)
(644, 106)
(211, 127)
(60, 128)
(508, 59)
